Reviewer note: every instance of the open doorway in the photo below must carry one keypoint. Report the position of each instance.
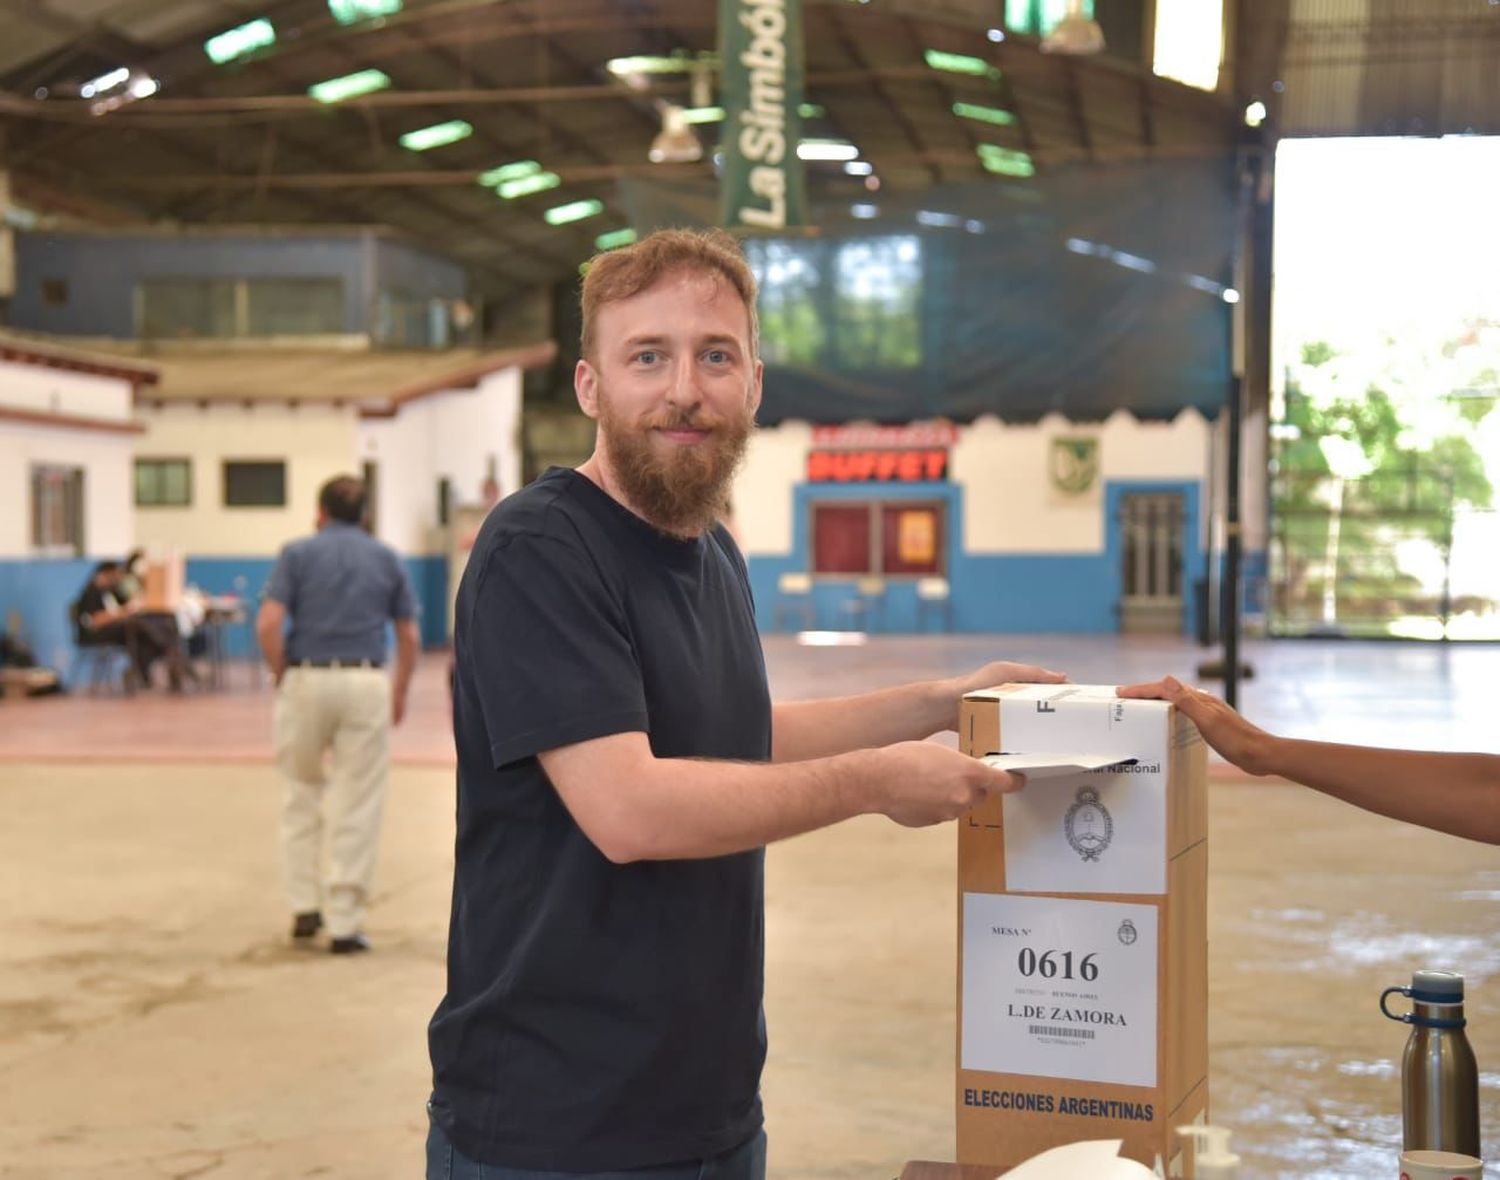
(1385, 447)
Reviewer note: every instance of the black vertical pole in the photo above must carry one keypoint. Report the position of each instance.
(1229, 612)
(1250, 268)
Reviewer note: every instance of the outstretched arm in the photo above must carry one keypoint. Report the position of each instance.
(1454, 793)
(909, 712)
(635, 806)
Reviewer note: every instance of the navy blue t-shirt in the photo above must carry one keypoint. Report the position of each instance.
(598, 1016)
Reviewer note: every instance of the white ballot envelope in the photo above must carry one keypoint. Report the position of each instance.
(1035, 766)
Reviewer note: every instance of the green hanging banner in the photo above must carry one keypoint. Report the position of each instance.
(760, 54)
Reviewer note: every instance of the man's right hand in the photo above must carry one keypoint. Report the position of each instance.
(923, 783)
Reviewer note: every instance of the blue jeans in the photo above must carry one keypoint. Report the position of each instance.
(746, 1162)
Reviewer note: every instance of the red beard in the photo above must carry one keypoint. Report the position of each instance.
(686, 489)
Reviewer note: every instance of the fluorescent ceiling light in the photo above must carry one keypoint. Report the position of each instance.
(349, 86)
(105, 82)
(995, 115)
(438, 135)
(522, 186)
(859, 168)
(144, 87)
(996, 35)
(615, 237)
(512, 171)
(959, 63)
(347, 12)
(864, 212)
(703, 115)
(826, 149)
(1005, 161)
(622, 67)
(573, 211)
(239, 41)
(1133, 262)
(929, 217)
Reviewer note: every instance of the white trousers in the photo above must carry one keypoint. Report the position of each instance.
(345, 712)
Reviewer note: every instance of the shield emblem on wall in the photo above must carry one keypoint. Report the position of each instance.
(1074, 464)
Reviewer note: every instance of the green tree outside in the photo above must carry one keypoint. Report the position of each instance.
(1370, 459)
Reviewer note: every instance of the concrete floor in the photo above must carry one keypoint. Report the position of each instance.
(154, 1023)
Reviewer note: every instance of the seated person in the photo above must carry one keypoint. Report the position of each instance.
(103, 617)
(132, 582)
(1454, 793)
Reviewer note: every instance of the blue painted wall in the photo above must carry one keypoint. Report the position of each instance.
(247, 576)
(1008, 592)
(424, 276)
(429, 580)
(103, 271)
(1256, 572)
(41, 591)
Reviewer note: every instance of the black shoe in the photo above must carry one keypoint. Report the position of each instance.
(355, 944)
(306, 925)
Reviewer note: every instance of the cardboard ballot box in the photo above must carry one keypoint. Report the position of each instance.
(1083, 931)
(162, 586)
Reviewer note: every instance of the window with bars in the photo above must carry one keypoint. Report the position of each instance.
(57, 510)
(849, 304)
(220, 308)
(254, 483)
(163, 483)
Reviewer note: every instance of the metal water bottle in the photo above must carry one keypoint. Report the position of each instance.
(1439, 1080)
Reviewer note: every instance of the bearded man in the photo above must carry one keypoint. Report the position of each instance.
(621, 766)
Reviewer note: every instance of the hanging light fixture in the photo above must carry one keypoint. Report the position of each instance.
(1075, 33)
(676, 143)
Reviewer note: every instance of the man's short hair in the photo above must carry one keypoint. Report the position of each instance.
(342, 498)
(619, 274)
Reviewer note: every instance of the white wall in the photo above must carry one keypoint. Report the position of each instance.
(451, 435)
(59, 391)
(316, 441)
(1010, 505)
(104, 457)
(762, 494)
(106, 463)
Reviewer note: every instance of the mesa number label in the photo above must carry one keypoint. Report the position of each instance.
(1059, 988)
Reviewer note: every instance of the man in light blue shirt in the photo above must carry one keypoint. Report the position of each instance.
(321, 628)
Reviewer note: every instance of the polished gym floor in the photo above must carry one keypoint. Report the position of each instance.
(155, 1023)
